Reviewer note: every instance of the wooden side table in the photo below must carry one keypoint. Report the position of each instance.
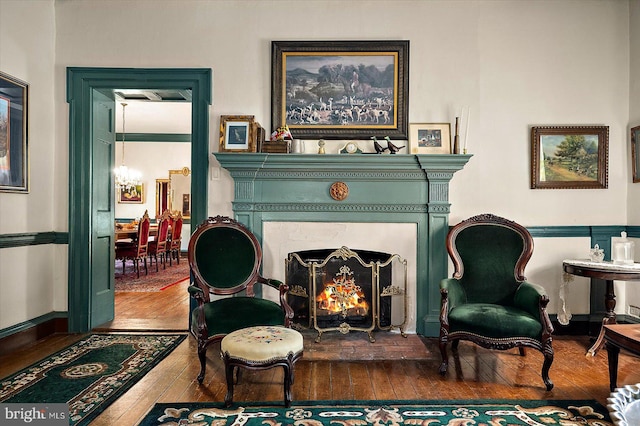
(605, 271)
(616, 337)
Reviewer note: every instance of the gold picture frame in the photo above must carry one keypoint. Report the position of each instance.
(351, 89)
(430, 138)
(131, 195)
(237, 133)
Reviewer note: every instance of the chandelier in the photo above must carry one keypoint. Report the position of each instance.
(125, 177)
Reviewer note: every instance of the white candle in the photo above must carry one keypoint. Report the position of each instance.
(466, 132)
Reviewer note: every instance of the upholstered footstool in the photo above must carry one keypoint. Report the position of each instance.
(259, 348)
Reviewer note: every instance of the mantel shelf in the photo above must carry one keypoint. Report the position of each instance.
(350, 162)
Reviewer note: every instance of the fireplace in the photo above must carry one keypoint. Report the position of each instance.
(347, 290)
(380, 190)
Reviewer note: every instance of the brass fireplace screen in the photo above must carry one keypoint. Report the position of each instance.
(344, 290)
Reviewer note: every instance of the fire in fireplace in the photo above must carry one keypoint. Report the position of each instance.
(344, 290)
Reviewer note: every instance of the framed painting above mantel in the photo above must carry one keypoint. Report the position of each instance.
(340, 89)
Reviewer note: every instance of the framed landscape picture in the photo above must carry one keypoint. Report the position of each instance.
(14, 169)
(430, 138)
(340, 89)
(569, 157)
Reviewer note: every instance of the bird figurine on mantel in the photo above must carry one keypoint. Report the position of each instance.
(392, 148)
(376, 145)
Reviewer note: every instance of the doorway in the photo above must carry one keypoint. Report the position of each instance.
(82, 82)
(155, 145)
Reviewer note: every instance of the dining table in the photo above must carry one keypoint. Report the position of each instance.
(131, 232)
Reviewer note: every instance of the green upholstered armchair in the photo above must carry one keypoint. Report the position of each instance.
(225, 258)
(488, 301)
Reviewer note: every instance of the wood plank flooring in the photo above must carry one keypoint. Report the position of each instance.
(341, 367)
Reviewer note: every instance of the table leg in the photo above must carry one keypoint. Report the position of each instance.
(610, 317)
(612, 354)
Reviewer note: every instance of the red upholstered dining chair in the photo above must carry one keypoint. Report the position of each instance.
(136, 250)
(160, 244)
(176, 237)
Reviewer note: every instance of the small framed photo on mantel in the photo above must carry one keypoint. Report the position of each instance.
(237, 133)
(429, 138)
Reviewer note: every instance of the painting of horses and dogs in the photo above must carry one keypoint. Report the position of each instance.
(330, 90)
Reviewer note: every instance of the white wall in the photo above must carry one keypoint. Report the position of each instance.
(152, 159)
(32, 278)
(516, 63)
(633, 206)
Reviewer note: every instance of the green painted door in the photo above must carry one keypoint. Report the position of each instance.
(102, 249)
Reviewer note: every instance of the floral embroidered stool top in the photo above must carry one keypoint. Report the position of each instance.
(261, 347)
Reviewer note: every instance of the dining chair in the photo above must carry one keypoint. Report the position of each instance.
(136, 250)
(160, 244)
(176, 237)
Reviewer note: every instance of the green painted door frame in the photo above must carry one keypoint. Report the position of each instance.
(80, 83)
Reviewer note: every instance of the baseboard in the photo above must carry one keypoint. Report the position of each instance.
(29, 332)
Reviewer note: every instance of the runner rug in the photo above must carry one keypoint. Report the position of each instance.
(90, 374)
(385, 413)
(153, 281)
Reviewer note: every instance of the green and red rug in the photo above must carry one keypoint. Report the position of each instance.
(153, 281)
(90, 374)
(385, 413)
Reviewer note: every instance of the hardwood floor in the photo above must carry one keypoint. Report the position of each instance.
(344, 367)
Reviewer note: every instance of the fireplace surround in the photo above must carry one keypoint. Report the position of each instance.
(379, 189)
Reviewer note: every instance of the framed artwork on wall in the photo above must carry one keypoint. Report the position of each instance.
(571, 157)
(430, 138)
(340, 89)
(131, 195)
(14, 164)
(635, 153)
(237, 133)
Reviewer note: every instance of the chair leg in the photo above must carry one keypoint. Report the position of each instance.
(443, 352)
(136, 267)
(124, 261)
(288, 368)
(146, 270)
(156, 257)
(229, 368)
(548, 360)
(202, 356)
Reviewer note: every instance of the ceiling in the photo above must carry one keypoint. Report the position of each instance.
(151, 95)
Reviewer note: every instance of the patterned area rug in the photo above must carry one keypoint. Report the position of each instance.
(153, 281)
(90, 374)
(385, 413)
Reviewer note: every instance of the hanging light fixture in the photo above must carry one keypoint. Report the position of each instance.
(124, 176)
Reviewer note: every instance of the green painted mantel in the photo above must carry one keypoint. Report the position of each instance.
(382, 188)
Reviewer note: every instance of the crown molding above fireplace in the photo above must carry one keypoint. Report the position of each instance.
(378, 189)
